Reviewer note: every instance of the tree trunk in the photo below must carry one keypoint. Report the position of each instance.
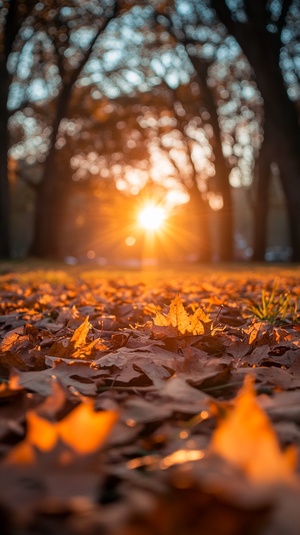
(4, 183)
(200, 213)
(53, 187)
(261, 203)
(46, 234)
(50, 205)
(12, 20)
(222, 185)
(284, 134)
(262, 48)
(226, 230)
(51, 194)
(290, 178)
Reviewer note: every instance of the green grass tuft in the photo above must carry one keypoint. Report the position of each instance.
(275, 307)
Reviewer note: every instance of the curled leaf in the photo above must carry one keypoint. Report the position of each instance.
(80, 334)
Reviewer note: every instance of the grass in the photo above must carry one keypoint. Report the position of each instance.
(273, 307)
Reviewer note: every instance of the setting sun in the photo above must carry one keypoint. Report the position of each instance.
(152, 217)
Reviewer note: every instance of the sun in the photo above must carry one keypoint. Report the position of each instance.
(152, 217)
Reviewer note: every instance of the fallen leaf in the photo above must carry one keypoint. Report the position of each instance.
(178, 321)
(77, 346)
(80, 334)
(246, 438)
(84, 430)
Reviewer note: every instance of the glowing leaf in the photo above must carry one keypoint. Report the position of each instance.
(78, 346)
(246, 438)
(40, 432)
(80, 334)
(182, 322)
(84, 429)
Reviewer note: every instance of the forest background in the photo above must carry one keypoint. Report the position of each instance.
(192, 105)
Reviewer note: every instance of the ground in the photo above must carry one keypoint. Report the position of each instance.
(159, 402)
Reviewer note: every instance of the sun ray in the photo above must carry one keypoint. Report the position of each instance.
(152, 217)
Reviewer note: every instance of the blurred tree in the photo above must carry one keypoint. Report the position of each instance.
(172, 118)
(97, 158)
(261, 190)
(156, 136)
(263, 30)
(179, 28)
(13, 14)
(71, 31)
(229, 104)
(130, 140)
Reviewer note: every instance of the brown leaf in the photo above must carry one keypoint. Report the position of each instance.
(9, 360)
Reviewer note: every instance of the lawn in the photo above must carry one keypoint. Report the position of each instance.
(151, 402)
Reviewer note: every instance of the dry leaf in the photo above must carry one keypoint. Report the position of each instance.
(80, 334)
(180, 322)
(246, 438)
(83, 429)
(77, 347)
(12, 338)
(146, 371)
(10, 360)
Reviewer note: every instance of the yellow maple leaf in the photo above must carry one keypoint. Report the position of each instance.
(245, 437)
(182, 322)
(78, 346)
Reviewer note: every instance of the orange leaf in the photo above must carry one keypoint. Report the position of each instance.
(40, 432)
(84, 429)
(246, 438)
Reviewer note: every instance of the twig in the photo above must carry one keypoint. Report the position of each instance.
(153, 388)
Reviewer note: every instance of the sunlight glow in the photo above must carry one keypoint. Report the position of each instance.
(177, 457)
(152, 217)
(215, 201)
(181, 457)
(130, 241)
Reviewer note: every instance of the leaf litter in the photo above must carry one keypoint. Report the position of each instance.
(134, 405)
